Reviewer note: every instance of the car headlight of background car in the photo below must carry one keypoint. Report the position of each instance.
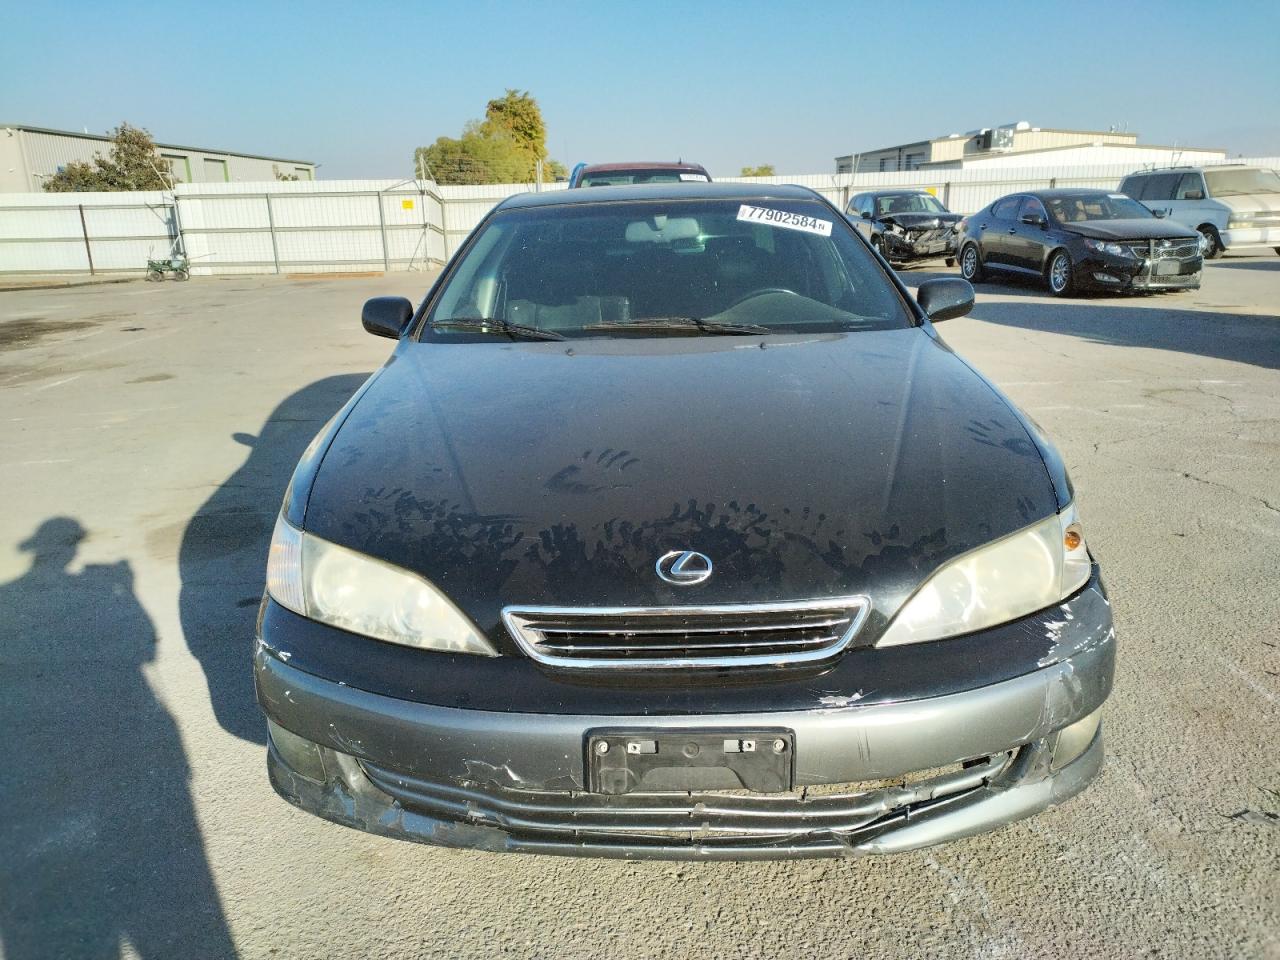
(354, 592)
(1102, 246)
(1010, 578)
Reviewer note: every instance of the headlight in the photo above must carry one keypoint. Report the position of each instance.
(346, 589)
(1113, 248)
(1002, 581)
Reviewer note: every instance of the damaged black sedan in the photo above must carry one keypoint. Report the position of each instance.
(905, 226)
(672, 529)
(1080, 239)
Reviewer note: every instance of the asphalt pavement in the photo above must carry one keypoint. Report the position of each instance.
(147, 432)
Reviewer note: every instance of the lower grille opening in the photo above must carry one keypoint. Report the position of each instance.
(823, 811)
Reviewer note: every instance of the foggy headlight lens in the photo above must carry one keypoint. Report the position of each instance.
(1002, 581)
(349, 590)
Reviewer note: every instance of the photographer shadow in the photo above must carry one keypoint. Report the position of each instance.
(99, 843)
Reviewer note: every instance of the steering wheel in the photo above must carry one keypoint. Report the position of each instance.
(760, 293)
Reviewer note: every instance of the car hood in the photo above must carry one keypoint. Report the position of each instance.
(1252, 202)
(921, 221)
(1136, 229)
(558, 473)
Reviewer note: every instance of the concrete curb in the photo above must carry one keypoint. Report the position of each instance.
(55, 284)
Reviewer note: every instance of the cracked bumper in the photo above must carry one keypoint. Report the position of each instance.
(515, 781)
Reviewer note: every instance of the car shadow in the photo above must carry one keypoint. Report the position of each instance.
(222, 560)
(1228, 263)
(1238, 337)
(99, 842)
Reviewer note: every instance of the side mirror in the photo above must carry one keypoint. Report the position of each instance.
(386, 316)
(866, 214)
(1034, 219)
(1160, 213)
(1193, 195)
(945, 298)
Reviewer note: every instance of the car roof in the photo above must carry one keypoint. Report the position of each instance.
(1062, 192)
(661, 191)
(892, 193)
(644, 165)
(1193, 169)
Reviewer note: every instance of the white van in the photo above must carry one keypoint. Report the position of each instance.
(1236, 208)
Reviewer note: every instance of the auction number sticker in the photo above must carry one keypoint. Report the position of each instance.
(781, 218)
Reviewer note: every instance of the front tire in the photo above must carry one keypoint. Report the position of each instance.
(155, 275)
(1213, 242)
(1060, 276)
(971, 264)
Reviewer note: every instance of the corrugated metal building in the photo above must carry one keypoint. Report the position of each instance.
(30, 154)
(1020, 144)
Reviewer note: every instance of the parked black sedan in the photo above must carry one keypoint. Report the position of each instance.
(1080, 239)
(672, 529)
(905, 226)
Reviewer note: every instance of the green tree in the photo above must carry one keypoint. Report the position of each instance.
(281, 175)
(132, 164)
(504, 147)
(764, 170)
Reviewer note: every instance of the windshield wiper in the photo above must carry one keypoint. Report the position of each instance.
(680, 325)
(498, 327)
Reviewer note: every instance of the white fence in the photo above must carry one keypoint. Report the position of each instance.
(364, 225)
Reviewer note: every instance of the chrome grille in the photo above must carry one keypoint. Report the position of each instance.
(763, 634)
(1177, 249)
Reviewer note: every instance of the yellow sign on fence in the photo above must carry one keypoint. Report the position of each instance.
(406, 204)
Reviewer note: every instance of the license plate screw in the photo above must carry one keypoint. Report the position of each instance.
(748, 746)
(602, 746)
(779, 746)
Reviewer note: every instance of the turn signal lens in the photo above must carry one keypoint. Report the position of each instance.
(1072, 538)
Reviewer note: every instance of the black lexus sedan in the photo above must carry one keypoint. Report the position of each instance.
(905, 226)
(1080, 240)
(672, 529)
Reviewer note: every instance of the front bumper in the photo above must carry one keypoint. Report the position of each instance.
(1238, 239)
(1126, 274)
(906, 249)
(869, 779)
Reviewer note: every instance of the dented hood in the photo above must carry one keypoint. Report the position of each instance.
(558, 473)
(921, 221)
(1135, 229)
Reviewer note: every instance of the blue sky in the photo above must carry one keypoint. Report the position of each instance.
(357, 86)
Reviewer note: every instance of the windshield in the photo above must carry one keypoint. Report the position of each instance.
(888, 205)
(613, 178)
(1098, 206)
(1241, 183)
(590, 269)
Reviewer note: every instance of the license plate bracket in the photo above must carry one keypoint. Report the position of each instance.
(624, 761)
(1168, 268)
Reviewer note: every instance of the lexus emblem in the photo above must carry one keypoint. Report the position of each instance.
(684, 568)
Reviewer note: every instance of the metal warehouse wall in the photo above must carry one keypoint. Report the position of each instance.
(360, 225)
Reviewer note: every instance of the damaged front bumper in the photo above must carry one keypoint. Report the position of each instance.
(868, 779)
(913, 245)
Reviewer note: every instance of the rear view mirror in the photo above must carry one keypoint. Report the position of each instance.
(945, 298)
(1193, 195)
(386, 316)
